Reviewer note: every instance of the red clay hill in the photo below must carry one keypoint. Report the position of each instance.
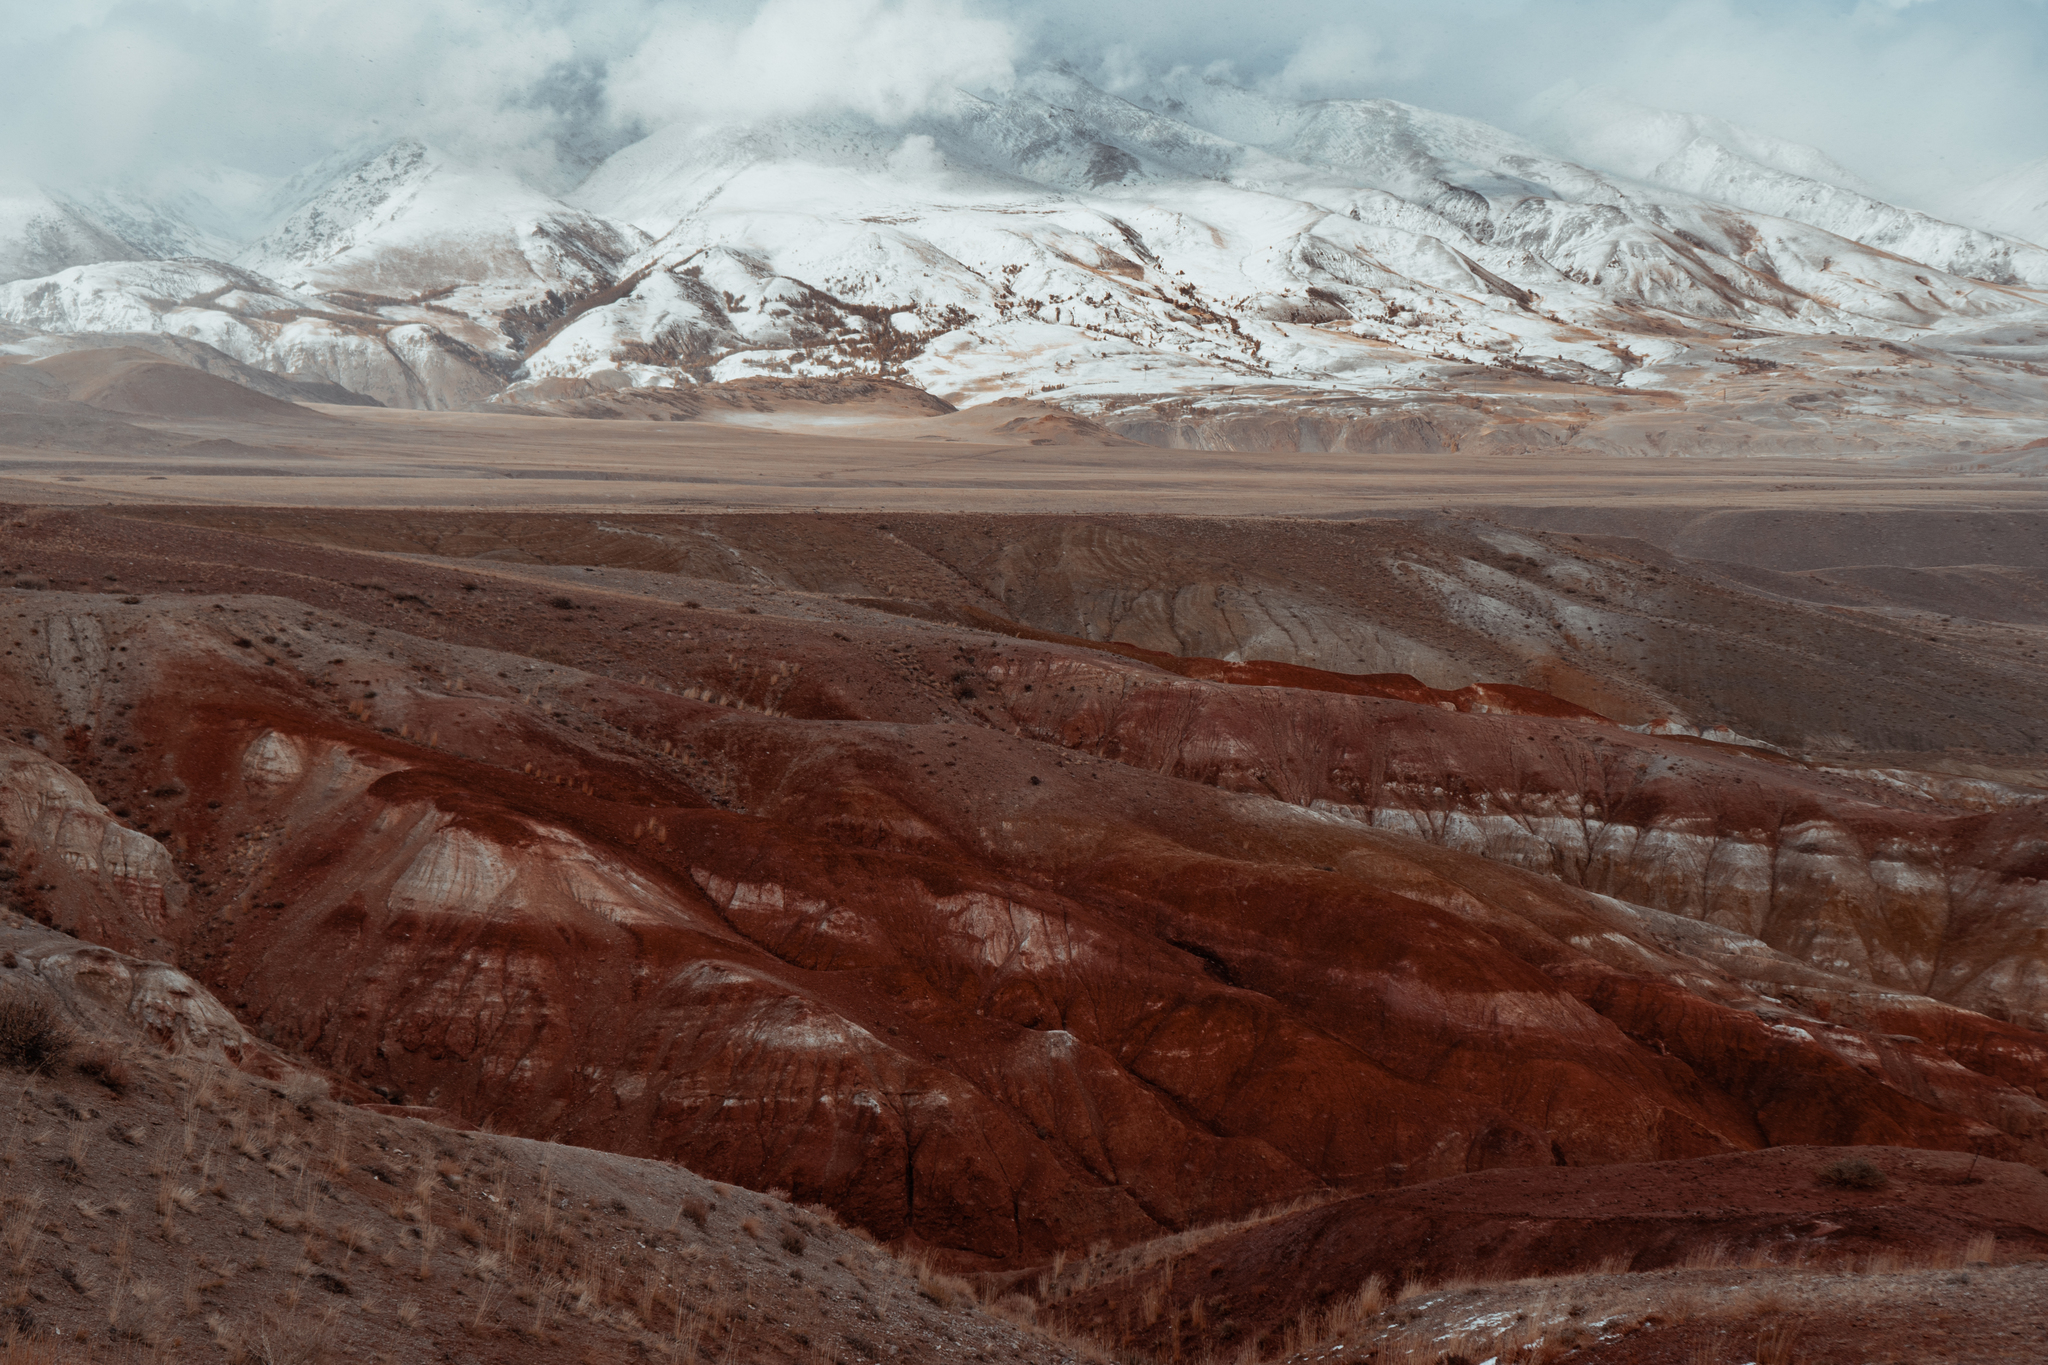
(997, 942)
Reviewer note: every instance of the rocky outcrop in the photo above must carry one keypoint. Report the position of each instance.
(112, 997)
(74, 861)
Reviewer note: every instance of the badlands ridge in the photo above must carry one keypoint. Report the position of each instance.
(1019, 886)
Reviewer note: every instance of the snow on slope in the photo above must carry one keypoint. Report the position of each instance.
(1058, 238)
(2014, 203)
(1064, 237)
(42, 232)
(158, 226)
(409, 220)
(399, 362)
(204, 212)
(1717, 160)
(401, 274)
(782, 239)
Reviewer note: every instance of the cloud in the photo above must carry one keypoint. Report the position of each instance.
(1913, 94)
(1917, 96)
(1343, 60)
(112, 89)
(105, 89)
(886, 59)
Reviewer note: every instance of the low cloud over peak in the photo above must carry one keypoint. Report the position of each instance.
(1917, 98)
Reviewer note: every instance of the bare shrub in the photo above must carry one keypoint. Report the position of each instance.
(32, 1035)
(1853, 1173)
(302, 1088)
(1714, 1255)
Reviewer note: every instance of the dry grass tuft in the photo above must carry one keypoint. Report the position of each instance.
(105, 1065)
(937, 1286)
(1777, 1343)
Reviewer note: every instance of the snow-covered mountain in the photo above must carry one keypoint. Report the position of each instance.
(1090, 242)
(400, 360)
(2015, 203)
(42, 232)
(1058, 238)
(203, 211)
(409, 220)
(1717, 160)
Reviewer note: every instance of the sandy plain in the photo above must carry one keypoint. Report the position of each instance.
(384, 458)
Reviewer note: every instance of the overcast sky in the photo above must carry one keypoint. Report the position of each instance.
(1912, 94)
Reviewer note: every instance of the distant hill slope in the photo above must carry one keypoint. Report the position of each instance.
(2016, 202)
(1716, 160)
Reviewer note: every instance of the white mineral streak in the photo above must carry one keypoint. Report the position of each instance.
(273, 762)
(457, 872)
(139, 870)
(77, 660)
(1882, 914)
(171, 1005)
(1010, 936)
(42, 800)
(771, 913)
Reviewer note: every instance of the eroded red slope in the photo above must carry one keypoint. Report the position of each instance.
(1000, 944)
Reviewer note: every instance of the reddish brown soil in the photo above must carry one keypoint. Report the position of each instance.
(192, 1212)
(1002, 945)
(1486, 698)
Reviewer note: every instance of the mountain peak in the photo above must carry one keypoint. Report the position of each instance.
(409, 218)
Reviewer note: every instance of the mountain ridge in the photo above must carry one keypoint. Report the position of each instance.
(1061, 238)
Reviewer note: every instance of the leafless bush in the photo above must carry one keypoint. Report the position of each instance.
(302, 1089)
(32, 1036)
(1853, 1173)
